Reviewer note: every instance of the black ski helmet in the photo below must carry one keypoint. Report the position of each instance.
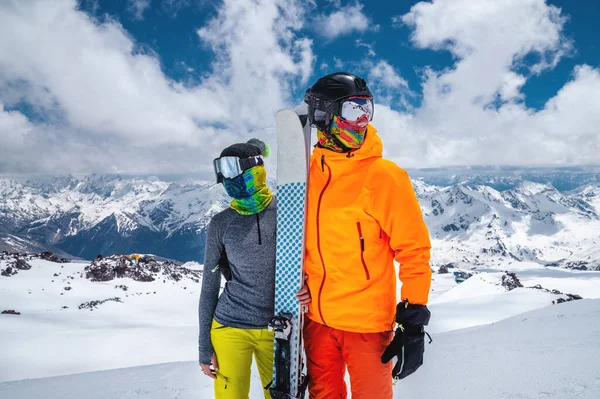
(325, 97)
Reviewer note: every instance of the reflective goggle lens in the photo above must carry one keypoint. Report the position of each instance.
(356, 108)
(230, 167)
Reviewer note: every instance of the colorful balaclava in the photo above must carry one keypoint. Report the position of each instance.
(249, 190)
(349, 135)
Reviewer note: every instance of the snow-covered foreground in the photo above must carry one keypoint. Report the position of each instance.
(550, 352)
(546, 353)
(155, 323)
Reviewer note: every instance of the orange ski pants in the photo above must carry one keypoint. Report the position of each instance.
(330, 351)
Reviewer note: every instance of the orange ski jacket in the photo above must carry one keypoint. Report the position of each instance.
(362, 214)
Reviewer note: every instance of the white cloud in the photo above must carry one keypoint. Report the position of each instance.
(14, 128)
(96, 76)
(338, 63)
(112, 108)
(386, 84)
(473, 112)
(359, 43)
(384, 74)
(137, 7)
(511, 86)
(103, 104)
(570, 120)
(342, 22)
(259, 58)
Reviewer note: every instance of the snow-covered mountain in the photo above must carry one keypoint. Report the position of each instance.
(478, 226)
(502, 178)
(469, 224)
(107, 214)
(118, 311)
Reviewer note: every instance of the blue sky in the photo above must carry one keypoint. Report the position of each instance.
(169, 30)
(106, 86)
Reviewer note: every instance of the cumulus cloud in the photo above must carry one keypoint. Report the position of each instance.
(79, 95)
(387, 84)
(109, 103)
(473, 112)
(14, 128)
(257, 66)
(96, 76)
(342, 22)
(384, 74)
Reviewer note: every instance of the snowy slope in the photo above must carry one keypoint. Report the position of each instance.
(154, 322)
(547, 353)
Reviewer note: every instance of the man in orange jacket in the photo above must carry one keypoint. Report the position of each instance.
(362, 214)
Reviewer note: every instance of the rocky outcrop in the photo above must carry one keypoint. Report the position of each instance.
(144, 269)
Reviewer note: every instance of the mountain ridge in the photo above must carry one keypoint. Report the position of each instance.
(107, 214)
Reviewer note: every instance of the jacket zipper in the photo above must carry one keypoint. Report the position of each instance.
(323, 164)
(258, 226)
(362, 250)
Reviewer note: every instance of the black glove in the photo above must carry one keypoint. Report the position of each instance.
(409, 341)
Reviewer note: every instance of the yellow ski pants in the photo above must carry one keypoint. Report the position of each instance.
(234, 348)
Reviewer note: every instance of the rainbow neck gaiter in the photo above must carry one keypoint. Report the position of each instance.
(249, 191)
(347, 134)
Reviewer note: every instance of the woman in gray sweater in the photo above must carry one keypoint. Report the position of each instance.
(240, 244)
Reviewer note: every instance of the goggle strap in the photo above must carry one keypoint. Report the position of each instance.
(217, 170)
(248, 163)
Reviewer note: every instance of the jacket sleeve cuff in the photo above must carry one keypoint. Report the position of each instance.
(203, 359)
(412, 315)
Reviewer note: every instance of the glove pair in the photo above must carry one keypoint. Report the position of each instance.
(409, 340)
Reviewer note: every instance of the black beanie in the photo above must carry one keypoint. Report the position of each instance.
(251, 148)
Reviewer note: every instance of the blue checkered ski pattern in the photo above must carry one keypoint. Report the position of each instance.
(291, 199)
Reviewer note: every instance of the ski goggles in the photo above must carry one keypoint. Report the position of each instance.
(357, 109)
(354, 110)
(230, 167)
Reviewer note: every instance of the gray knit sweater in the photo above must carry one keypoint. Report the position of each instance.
(247, 300)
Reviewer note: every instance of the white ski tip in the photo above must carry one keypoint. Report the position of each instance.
(291, 153)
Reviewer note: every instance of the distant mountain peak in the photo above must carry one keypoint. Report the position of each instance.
(107, 213)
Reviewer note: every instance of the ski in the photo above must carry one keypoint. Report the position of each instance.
(293, 151)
